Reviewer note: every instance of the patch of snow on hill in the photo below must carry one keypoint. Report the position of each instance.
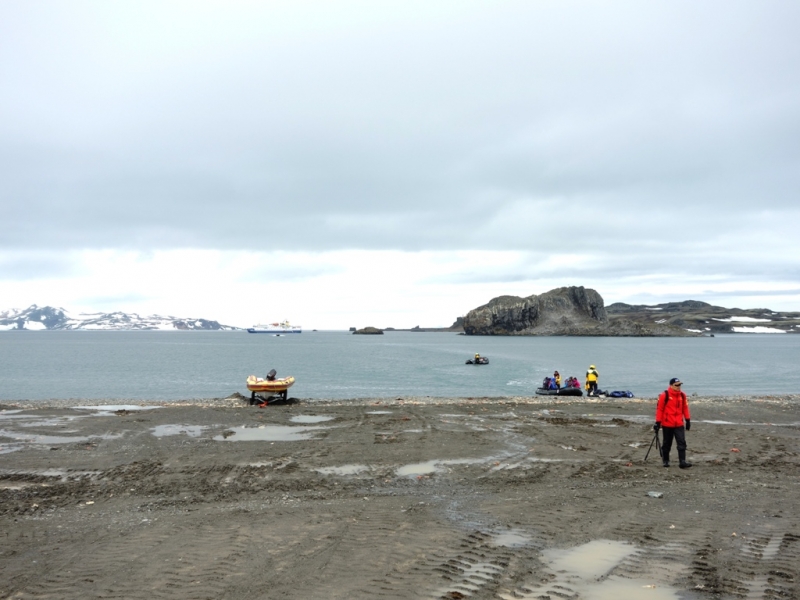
(742, 320)
(758, 329)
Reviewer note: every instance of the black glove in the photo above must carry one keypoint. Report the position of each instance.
(657, 426)
(688, 424)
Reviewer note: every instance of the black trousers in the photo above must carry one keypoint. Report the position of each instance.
(679, 433)
(592, 388)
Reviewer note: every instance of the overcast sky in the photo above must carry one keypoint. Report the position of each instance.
(390, 163)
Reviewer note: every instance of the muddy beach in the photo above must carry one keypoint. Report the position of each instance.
(410, 498)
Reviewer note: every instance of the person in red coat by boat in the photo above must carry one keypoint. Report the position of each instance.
(671, 412)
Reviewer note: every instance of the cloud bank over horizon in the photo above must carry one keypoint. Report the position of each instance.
(404, 161)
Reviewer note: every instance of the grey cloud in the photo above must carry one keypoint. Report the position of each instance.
(19, 266)
(458, 126)
(112, 302)
(282, 273)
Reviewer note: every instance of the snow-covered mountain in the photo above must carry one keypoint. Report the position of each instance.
(47, 317)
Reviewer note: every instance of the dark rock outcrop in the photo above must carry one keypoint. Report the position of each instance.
(564, 311)
(368, 331)
(706, 318)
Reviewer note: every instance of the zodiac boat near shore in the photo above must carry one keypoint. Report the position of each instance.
(564, 391)
(263, 389)
(275, 328)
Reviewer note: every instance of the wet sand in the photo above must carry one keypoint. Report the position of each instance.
(408, 498)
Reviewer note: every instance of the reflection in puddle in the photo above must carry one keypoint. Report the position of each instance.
(588, 571)
(432, 466)
(166, 430)
(310, 419)
(424, 468)
(267, 433)
(343, 470)
(513, 538)
(591, 560)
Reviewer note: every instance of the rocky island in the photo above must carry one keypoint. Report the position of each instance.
(701, 317)
(368, 331)
(575, 311)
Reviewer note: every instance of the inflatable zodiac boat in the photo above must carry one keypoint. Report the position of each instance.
(481, 360)
(265, 388)
(564, 391)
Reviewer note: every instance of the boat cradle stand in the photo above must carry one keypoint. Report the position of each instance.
(264, 401)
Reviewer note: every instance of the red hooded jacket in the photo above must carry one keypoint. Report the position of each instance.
(675, 411)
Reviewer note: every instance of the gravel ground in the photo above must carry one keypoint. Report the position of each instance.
(403, 498)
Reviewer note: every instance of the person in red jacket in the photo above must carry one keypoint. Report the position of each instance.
(671, 410)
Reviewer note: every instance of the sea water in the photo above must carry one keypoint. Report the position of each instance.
(167, 365)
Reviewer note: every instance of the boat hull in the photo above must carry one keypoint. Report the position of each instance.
(559, 392)
(273, 331)
(275, 386)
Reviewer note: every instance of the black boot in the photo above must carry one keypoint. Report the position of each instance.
(684, 464)
(666, 462)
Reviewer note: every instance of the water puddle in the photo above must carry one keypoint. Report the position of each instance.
(772, 548)
(167, 430)
(587, 570)
(591, 560)
(18, 479)
(434, 466)
(470, 579)
(513, 538)
(268, 433)
(14, 417)
(424, 468)
(343, 470)
(31, 438)
(21, 440)
(105, 410)
(311, 419)
(379, 412)
(11, 414)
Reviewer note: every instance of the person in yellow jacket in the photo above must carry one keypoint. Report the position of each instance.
(591, 380)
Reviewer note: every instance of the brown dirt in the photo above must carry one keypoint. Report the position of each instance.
(97, 506)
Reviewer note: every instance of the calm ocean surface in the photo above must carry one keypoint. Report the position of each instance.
(162, 365)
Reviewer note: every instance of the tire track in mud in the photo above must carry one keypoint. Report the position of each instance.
(751, 566)
(474, 564)
(375, 553)
(118, 568)
(773, 558)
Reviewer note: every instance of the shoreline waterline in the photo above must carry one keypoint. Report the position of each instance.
(239, 401)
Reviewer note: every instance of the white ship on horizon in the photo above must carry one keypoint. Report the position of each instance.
(275, 328)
